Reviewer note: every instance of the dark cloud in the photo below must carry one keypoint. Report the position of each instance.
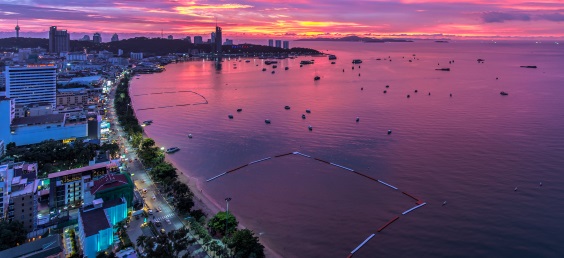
(491, 17)
(552, 17)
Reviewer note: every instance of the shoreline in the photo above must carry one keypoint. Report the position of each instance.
(201, 200)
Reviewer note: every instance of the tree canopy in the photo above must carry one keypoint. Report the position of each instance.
(245, 244)
(11, 234)
(218, 223)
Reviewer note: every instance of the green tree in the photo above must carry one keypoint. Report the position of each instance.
(245, 244)
(221, 221)
(11, 234)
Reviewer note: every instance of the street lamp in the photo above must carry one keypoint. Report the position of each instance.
(227, 214)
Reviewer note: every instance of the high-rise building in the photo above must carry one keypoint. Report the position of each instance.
(218, 40)
(59, 40)
(32, 84)
(17, 29)
(115, 37)
(85, 38)
(270, 42)
(212, 38)
(286, 44)
(188, 39)
(228, 42)
(278, 43)
(198, 40)
(19, 193)
(97, 38)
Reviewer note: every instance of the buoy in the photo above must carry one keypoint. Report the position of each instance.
(415, 91)
(385, 91)
(515, 189)
(389, 131)
(444, 203)
(310, 128)
(359, 74)
(357, 119)
(230, 116)
(408, 96)
(451, 94)
(429, 93)
(540, 184)
(190, 136)
(361, 88)
(496, 78)
(343, 70)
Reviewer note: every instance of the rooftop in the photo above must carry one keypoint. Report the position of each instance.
(44, 247)
(107, 182)
(96, 218)
(35, 120)
(77, 170)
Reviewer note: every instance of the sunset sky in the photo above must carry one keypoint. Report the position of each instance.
(287, 18)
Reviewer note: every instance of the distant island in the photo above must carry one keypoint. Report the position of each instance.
(358, 39)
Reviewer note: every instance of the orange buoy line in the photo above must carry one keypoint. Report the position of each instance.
(413, 197)
(387, 224)
(419, 202)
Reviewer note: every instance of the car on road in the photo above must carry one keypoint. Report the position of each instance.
(159, 208)
(144, 190)
(150, 211)
(163, 231)
(154, 197)
(167, 221)
(158, 223)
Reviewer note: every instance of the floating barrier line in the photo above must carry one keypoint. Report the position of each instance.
(384, 183)
(237, 168)
(285, 154)
(387, 224)
(260, 160)
(343, 167)
(413, 197)
(322, 160)
(361, 244)
(299, 153)
(371, 178)
(215, 177)
(418, 206)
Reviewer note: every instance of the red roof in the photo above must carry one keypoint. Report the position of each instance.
(107, 182)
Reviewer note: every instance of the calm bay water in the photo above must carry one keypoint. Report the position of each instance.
(471, 149)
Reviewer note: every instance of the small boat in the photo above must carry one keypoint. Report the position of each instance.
(308, 111)
(385, 91)
(443, 69)
(287, 107)
(357, 61)
(247, 61)
(408, 96)
(310, 127)
(480, 60)
(387, 86)
(274, 66)
(303, 116)
(332, 62)
(230, 116)
(444, 203)
(316, 78)
(357, 119)
(529, 66)
(263, 69)
(503, 93)
(148, 122)
(286, 68)
(273, 72)
(332, 57)
(415, 91)
(270, 62)
(267, 121)
(190, 136)
(304, 62)
(239, 109)
(389, 131)
(301, 65)
(172, 150)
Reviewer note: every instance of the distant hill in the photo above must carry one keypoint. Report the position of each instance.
(149, 46)
(357, 38)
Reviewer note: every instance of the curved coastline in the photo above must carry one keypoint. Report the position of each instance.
(201, 200)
